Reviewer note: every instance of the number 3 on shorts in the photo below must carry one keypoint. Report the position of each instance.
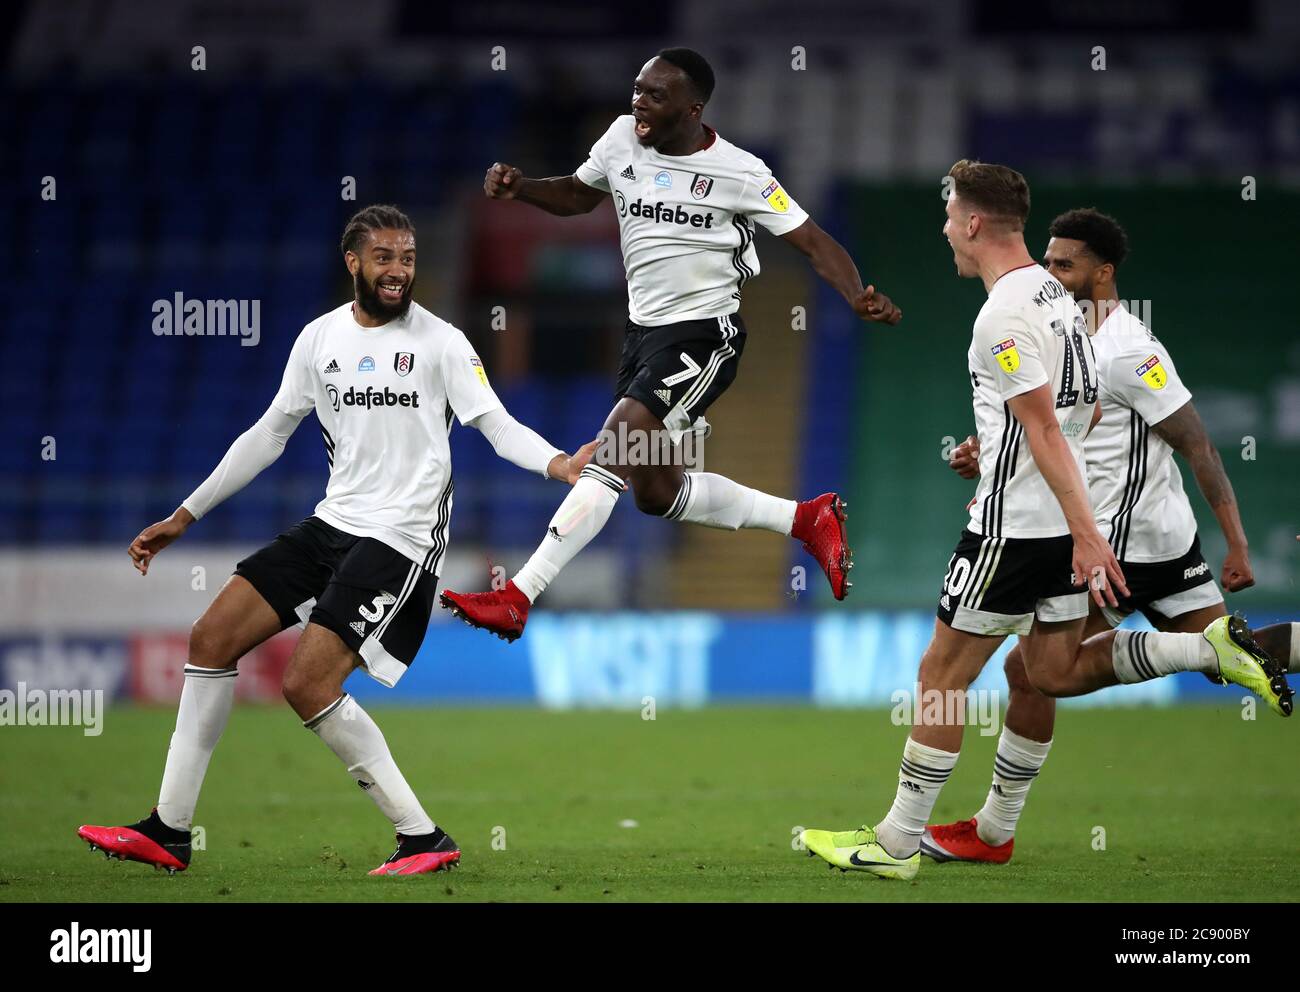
(381, 603)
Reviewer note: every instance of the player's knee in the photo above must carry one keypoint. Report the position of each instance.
(1017, 677)
(941, 673)
(653, 496)
(211, 644)
(1049, 681)
(296, 688)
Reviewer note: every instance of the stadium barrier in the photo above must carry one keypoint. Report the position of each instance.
(587, 660)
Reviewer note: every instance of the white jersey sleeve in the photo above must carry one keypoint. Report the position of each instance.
(297, 394)
(516, 443)
(764, 201)
(250, 453)
(466, 380)
(1011, 353)
(1142, 376)
(594, 171)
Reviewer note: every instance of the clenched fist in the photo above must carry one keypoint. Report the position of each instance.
(502, 181)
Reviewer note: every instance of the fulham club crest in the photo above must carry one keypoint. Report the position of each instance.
(700, 187)
(403, 362)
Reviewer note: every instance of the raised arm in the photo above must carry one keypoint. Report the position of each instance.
(1183, 431)
(830, 261)
(524, 447)
(1093, 556)
(563, 196)
(250, 453)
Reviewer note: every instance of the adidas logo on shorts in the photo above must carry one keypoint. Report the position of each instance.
(665, 395)
(359, 627)
(627, 173)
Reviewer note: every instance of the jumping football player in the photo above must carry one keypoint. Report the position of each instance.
(1138, 497)
(687, 201)
(1031, 530)
(384, 376)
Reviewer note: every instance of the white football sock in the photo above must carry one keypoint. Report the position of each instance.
(716, 501)
(1015, 767)
(204, 709)
(579, 519)
(921, 775)
(359, 744)
(1295, 648)
(1140, 655)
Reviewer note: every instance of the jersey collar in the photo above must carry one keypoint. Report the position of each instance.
(713, 138)
(1009, 271)
(1119, 308)
(352, 312)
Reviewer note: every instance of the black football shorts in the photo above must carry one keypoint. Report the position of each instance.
(377, 600)
(678, 370)
(1166, 589)
(997, 585)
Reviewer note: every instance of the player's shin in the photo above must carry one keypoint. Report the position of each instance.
(1015, 766)
(204, 710)
(715, 501)
(1282, 642)
(921, 775)
(356, 739)
(579, 519)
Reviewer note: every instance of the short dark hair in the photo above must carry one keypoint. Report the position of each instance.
(696, 67)
(1100, 233)
(997, 190)
(374, 218)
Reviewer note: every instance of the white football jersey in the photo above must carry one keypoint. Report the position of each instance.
(1029, 333)
(1136, 489)
(686, 222)
(385, 398)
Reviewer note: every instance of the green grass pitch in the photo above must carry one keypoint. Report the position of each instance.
(1196, 804)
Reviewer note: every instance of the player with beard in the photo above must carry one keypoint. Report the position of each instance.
(385, 377)
(1138, 498)
(687, 201)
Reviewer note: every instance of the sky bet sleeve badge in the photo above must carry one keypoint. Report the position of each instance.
(775, 197)
(1007, 356)
(1153, 373)
(478, 367)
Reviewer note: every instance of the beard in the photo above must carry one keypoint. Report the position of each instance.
(368, 299)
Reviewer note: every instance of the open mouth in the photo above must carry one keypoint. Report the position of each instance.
(642, 129)
(391, 292)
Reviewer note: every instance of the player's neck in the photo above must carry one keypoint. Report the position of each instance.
(695, 140)
(365, 319)
(1105, 301)
(1001, 260)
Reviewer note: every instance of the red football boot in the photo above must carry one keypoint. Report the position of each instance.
(422, 854)
(960, 842)
(819, 524)
(150, 842)
(504, 613)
